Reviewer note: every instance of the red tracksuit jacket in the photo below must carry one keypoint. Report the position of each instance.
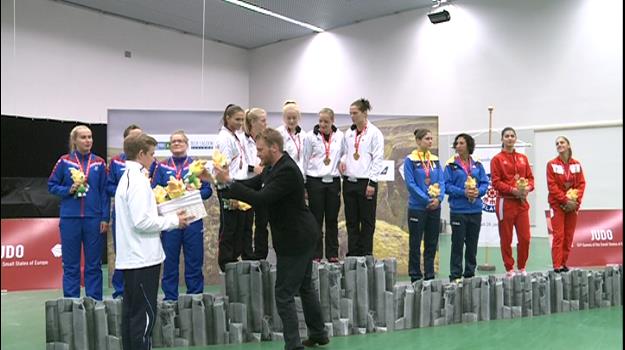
(562, 176)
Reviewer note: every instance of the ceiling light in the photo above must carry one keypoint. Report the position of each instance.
(439, 17)
(273, 14)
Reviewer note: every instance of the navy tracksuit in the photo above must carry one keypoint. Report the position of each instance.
(422, 222)
(117, 166)
(191, 239)
(465, 217)
(80, 221)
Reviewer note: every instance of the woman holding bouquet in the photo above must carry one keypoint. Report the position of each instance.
(191, 238)
(566, 184)
(512, 177)
(79, 178)
(292, 133)
(425, 182)
(465, 183)
(235, 230)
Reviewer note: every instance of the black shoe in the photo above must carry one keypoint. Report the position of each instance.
(312, 342)
(564, 269)
(558, 270)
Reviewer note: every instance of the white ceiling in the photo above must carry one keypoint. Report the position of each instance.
(243, 28)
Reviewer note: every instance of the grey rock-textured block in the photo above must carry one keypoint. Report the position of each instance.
(441, 321)
(362, 292)
(380, 288)
(238, 314)
(347, 311)
(449, 297)
(277, 336)
(574, 305)
(598, 279)
(507, 312)
(517, 290)
(558, 294)
(232, 281)
(350, 291)
(370, 262)
(476, 284)
(185, 319)
(370, 321)
(390, 269)
(208, 299)
(114, 316)
(66, 326)
(566, 305)
(499, 300)
(256, 306)
(341, 327)
(508, 292)
(236, 333)
(198, 320)
(255, 337)
(399, 324)
(324, 292)
(437, 299)
(329, 327)
(469, 317)
(416, 310)
(380, 329)
(426, 305)
(52, 323)
(517, 311)
(616, 287)
(575, 284)
(57, 346)
(79, 317)
(268, 288)
(101, 327)
(527, 296)
(113, 343)
(467, 295)
(314, 277)
(458, 299)
(389, 300)
(607, 284)
(408, 307)
(219, 319)
(181, 342)
(266, 329)
(583, 294)
(399, 294)
(484, 300)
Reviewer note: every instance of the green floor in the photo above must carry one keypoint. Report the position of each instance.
(23, 322)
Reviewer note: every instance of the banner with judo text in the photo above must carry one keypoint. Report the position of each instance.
(598, 237)
(31, 254)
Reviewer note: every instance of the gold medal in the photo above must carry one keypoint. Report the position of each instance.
(428, 181)
(326, 161)
(356, 156)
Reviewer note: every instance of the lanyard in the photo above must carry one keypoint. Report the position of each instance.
(179, 171)
(427, 166)
(241, 148)
(88, 165)
(297, 143)
(568, 176)
(466, 167)
(359, 136)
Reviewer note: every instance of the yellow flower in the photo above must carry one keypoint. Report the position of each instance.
(160, 194)
(434, 190)
(244, 206)
(77, 176)
(219, 159)
(470, 183)
(572, 194)
(522, 183)
(197, 167)
(175, 188)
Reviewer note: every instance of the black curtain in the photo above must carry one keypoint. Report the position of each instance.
(30, 148)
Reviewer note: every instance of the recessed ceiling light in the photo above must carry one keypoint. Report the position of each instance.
(273, 14)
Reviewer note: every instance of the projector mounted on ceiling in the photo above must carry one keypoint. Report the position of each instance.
(439, 17)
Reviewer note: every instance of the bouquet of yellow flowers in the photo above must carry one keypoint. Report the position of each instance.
(160, 194)
(434, 190)
(78, 177)
(471, 184)
(522, 184)
(193, 176)
(572, 194)
(220, 160)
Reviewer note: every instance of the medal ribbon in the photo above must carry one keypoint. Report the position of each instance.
(178, 171)
(427, 166)
(359, 136)
(297, 143)
(88, 165)
(327, 144)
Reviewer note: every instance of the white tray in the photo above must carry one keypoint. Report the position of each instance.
(191, 202)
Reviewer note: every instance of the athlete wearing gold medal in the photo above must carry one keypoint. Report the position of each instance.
(364, 144)
(323, 148)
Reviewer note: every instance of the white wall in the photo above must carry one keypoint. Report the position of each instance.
(539, 62)
(69, 64)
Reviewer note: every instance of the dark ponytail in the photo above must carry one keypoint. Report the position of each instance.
(362, 104)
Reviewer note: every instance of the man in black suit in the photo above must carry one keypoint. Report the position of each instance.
(280, 188)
